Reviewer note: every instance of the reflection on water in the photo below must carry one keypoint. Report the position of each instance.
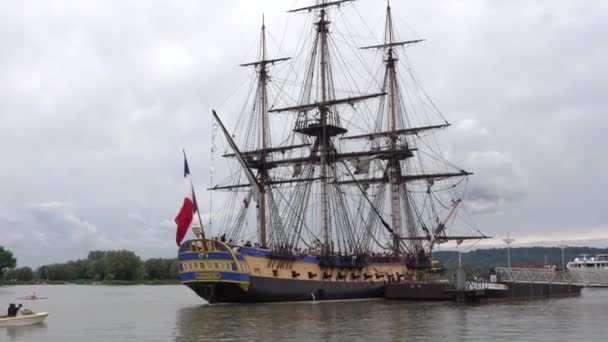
(268, 322)
(24, 333)
(380, 320)
(335, 321)
(174, 313)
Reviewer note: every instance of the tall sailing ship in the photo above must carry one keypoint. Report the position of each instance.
(337, 214)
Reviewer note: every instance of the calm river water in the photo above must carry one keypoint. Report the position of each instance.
(174, 313)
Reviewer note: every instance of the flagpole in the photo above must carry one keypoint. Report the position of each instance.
(211, 171)
(198, 211)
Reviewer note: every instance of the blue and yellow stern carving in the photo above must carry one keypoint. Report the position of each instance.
(214, 262)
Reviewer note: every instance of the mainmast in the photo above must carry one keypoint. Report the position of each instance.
(324, 127)
(395, 166)
(322, 31)
(263, 78)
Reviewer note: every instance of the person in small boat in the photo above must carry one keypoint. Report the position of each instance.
(23, 311)
(12, 310)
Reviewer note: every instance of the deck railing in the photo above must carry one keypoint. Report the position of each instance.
(582, 277)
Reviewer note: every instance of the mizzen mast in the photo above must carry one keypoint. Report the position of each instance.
(395, 164)
(398, 174)
(393, 173)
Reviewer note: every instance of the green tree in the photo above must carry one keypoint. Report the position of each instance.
(155, 269)
(59, 272)
(10, 275)
(174, 269)
(96, 255)
(161, 269)
(94, 270)
(6, 260)
(95, 265)
(22, 274)
(42, 272)
(25, 274)
(99, 266)
(123, 265)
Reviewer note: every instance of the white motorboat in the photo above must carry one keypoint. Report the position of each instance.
(22, 320)
(583, 261)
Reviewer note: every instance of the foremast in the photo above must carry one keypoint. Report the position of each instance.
(262, 152)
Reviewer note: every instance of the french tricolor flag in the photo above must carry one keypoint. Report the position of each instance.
(189, 207)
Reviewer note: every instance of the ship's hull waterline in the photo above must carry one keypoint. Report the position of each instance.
(285, 290)
(224, 274)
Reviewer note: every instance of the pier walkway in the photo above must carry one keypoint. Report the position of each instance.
(582, 277)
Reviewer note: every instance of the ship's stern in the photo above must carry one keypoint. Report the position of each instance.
(213, 270)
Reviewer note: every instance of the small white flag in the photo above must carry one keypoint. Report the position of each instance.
(214, 128)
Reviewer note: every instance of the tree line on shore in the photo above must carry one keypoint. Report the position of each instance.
(480, 260)
(123, 265)
(99, 266)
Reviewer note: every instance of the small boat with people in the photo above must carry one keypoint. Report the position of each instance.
(33, 296)
(31, 319)
(20, 316)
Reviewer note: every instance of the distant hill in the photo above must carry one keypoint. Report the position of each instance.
(481, 259)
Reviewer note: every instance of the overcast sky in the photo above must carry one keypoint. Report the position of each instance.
(97, 99)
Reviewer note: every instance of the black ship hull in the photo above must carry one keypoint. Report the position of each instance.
(263, 289)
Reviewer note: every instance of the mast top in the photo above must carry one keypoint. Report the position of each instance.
(321, 5)
(263, 61)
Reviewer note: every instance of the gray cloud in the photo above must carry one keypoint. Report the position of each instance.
(498, 177)
(60, 219)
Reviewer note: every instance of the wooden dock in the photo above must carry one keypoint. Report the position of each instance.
(506, 284)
